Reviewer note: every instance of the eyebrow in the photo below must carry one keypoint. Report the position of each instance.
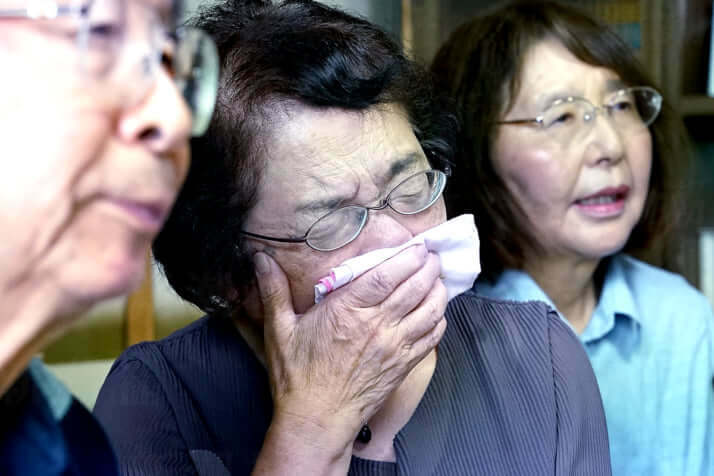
(544, 102)
(170, 11)
(404, 163)
(611, 85)
(328, 202)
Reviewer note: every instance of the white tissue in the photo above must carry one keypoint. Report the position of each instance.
(455, 241)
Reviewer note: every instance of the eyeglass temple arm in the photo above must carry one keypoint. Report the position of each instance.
(273, 238)
(520, 121)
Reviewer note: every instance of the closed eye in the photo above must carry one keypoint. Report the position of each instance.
(561, 119)
(622, 106)
(105, 31)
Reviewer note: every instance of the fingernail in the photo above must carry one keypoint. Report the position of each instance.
(261, 264)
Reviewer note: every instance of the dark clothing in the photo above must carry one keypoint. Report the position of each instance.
(512, 394)
(46, 432)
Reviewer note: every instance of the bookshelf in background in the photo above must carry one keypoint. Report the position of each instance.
(686, 53)
(686, 38)
(706, 270)
(638, 22)
(623, 16)
(710, 71)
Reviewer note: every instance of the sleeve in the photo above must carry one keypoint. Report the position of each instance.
(140, 423)
(582, 446)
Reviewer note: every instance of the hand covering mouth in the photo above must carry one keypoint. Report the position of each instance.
(456, 243)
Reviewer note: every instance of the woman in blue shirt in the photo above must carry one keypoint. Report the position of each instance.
(568, 161)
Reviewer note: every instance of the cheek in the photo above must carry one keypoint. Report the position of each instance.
(639, 151)
(98, 255)
(430, 218)
(303, 268)
(437, 214)
(537, 177)
(45, 166)
(182, 161)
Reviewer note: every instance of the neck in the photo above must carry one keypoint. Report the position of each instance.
(570, 284)
(28, 322)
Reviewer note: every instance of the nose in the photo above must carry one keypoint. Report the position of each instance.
(384, 229)
(161, 122)
(605, 146)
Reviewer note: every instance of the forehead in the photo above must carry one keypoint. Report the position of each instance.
(159, 4)
(550, 66)
(170, 11)
(174, 8)
(326, 144)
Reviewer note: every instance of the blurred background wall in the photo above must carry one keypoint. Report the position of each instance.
(672, 37)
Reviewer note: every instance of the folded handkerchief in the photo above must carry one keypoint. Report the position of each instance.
(455, 241)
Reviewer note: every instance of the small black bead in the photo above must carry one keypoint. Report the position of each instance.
(365, 434)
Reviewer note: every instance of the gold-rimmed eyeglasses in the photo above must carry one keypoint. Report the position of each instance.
(567, 119)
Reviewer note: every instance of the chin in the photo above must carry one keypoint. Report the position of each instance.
(598, 242)
(110, 275)
(600, 249)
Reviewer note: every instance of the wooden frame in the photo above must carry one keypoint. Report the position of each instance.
(139, 317)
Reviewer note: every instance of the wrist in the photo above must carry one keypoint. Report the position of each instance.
(298, 445)
(326, 430)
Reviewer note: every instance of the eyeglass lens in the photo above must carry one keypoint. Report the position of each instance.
(630, 110)
(123, 44)
(412, 196)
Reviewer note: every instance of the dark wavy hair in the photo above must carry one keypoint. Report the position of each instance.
(278, 55)
(480, 66)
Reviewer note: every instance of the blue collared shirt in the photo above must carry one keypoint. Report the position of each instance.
(651, 344)
(53, 434)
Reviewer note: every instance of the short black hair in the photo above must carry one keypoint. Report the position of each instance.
(274, 55)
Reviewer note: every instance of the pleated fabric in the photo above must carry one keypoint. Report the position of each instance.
(513, 393)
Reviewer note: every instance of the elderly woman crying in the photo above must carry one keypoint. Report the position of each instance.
(329, 144)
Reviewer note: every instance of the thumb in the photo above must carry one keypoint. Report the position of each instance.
(274, 292)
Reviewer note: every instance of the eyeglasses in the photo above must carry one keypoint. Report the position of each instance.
(568, 119)
(340, 227)
(120, 45)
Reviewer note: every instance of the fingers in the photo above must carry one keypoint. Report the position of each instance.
(426, 316)
(274, 292)
(413, 292)
(426, 343)
(376, 285)
(420, 330)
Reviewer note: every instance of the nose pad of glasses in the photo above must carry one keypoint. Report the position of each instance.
(147, 65)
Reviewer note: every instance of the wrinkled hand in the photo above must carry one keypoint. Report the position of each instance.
(334, 366)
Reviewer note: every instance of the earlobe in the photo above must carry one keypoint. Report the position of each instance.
(248, 320)
(250, 307)
(249, 323)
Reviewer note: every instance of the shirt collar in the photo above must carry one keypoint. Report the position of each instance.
(616, 299)
(57, 396)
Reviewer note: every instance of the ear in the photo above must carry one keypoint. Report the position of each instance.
(250, 304)
(251, 307)
(249, 320)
